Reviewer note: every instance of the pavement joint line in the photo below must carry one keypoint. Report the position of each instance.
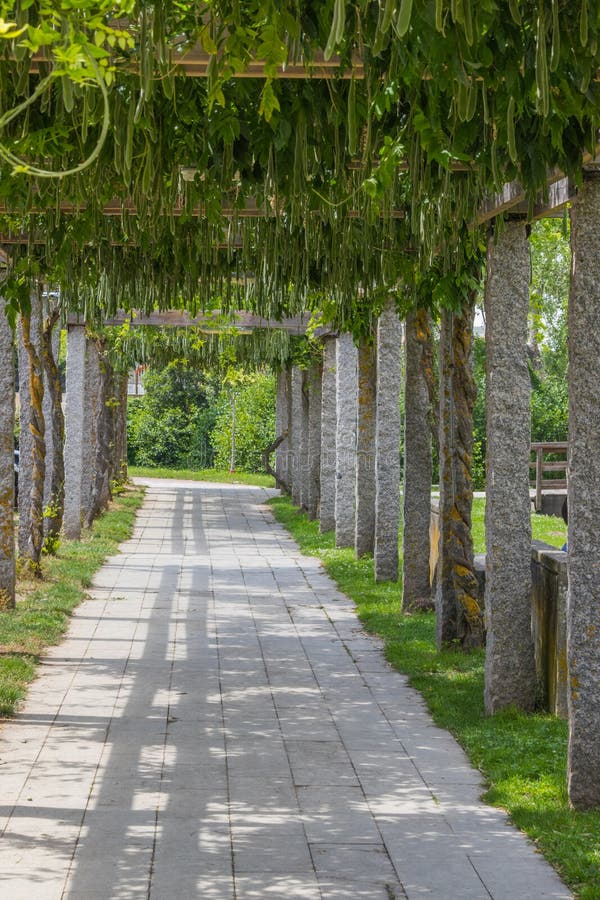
(244, 675)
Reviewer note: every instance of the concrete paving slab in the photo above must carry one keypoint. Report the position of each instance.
(216, 725)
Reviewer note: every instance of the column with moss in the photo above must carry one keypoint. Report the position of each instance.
(387, 443)
(294, 470)
(345, 443)
(75, 447)
(7, 473)
(314, 376)
(583, 604)
(303, 464)
(328, 437)
(510, 664)
(364, 536)
(416, 588)
(33, 453)
(281, 425)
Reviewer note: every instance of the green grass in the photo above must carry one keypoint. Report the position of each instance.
(522, 757)
(43, 607)
(550, 529)
(221, 475)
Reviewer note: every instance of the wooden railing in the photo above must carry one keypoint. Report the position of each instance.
(543, 466)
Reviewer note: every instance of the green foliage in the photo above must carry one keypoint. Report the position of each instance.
(253, 397)
(523, 757)
(171, 423)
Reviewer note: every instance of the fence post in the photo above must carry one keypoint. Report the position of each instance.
(539, 475)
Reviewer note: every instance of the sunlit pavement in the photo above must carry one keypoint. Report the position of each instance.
(217, 725)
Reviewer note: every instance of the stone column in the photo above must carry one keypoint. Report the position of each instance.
(75, 436)
(314, 376)
(92, 403)
(7, 473)
(387, 444)
(345, 443)
(510, 664)
(121, 427)
(25, 443)
(281, 424)
(416, 587)
(583, 605)
(364, 536)
(303, 460)
(31, 435)
(54, 418)
(101, 492)
(48, 408)
(328, 433)
(294, 469)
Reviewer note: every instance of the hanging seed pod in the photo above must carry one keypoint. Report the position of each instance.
(468, 22)
(515, 12)
(402, 23)
(555, 51)
(439, 12)
(352, 119)
(383, 25)
(510, 131)
(583, 23)
(541, 65)
(67, 92)
(337, 28)
(484, 98)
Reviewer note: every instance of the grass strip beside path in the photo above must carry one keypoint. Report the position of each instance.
(222, 475)
(43, 607)
(522, 757)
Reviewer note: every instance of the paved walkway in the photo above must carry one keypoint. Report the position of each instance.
(216, 725)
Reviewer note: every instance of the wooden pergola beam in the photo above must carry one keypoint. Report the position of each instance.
(209, 322)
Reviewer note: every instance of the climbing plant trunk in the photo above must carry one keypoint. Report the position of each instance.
(459, 618)
(7, 474)
(54, 487)
(364, 535)
(314, 376)
(75, 445)
(416, 587)
(31, 332)
(282, 424)
(583, 605)
(510, 665)
(387, 444)
(345, 442)
(100, 489)
(328, 434)
(295, 435)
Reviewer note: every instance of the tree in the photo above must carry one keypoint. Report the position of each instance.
(253, 396)
(170, 425)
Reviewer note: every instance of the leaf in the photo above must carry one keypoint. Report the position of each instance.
(268, 102)
(10, 30)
